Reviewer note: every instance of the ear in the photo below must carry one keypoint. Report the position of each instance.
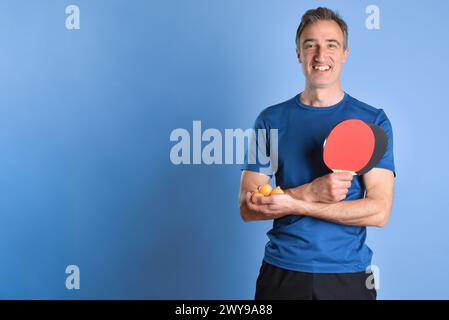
(298, 54)
(345, 53)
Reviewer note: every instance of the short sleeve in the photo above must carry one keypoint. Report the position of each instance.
(258, 151)
(387, 161)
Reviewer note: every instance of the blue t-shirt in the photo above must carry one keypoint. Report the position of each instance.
(302, 243)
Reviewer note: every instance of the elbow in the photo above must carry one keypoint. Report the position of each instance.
(243, 213)
(381, 223)
(384, 207)
(382, 218)
(245, 217)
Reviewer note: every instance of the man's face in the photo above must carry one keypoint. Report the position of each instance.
(321, 53)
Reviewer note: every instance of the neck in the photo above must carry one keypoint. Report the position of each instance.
(322, 97)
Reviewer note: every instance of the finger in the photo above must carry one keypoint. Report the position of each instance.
(342, 184)
(273, 208)
(260, 208)
(249, 203)
(269, 210)
(254, 207)
(343, 176)
(254, 199)
(340, 191)
(335, 198)
(248, 196)
(265, 200)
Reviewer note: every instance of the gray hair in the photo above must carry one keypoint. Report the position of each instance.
(318, 14)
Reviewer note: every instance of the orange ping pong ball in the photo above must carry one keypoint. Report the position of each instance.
(276, 190)
(265, 189)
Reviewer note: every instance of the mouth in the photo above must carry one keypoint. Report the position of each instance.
(321, 68)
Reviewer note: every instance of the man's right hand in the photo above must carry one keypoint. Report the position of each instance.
(329, 188)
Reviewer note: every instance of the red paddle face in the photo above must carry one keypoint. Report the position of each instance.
(349, 146)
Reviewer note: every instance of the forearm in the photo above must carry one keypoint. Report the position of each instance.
(361, 212)
(249, 215)
(301, 192)
(323, 199)
(255, 212)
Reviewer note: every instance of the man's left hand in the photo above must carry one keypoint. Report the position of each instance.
(275, 206)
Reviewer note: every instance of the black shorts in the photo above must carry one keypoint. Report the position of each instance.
(275, 283)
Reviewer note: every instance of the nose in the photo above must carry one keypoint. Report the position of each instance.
(319, 55)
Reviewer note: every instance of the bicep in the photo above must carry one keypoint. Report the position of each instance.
(379, 185)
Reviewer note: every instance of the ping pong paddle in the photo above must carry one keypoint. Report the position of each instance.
(379, 148)
(354, 146)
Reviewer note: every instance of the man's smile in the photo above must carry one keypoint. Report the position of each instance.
(321, 68)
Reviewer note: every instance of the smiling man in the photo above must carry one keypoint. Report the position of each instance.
(316, 247)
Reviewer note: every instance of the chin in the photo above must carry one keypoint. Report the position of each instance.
(321, 84)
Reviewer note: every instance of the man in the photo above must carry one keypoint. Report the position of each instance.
(316, 248)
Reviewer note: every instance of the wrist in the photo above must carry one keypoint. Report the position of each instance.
(307, 194)
(301, 192)
(300, 208)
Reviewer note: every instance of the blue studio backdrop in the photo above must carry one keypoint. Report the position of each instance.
(86, 115)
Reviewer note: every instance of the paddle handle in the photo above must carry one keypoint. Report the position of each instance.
(351, 172)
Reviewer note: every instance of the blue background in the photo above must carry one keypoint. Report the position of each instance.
(85, 120)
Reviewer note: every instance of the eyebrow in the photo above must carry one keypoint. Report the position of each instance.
(327, 40)
(333, 41)
(309, 40)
